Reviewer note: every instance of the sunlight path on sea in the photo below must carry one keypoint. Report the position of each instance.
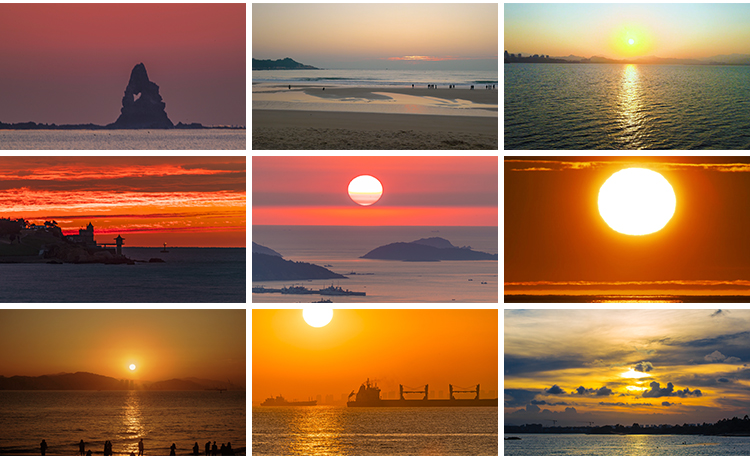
(132, 422)
(629, 104)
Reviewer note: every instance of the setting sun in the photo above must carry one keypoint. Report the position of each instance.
(631, 41)
(132, 367)
(365, 190)
(636, 201)
(317, 317)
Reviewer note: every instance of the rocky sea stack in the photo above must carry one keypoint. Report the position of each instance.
(145, 111)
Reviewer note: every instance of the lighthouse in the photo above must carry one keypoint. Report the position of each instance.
(119, 240)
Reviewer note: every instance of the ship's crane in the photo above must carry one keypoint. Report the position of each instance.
(453, 391)
(402, 391)
(554, 421)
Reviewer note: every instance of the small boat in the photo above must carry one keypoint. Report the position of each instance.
(281, 401)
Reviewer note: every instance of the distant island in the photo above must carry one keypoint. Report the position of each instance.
(90, 381)
(270, 267)
(732, 427)
(142, 108)
(280, 64)
(724, 59)
(426, 249)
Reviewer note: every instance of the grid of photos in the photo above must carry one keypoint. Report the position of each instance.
(411, 232)
(123, 277)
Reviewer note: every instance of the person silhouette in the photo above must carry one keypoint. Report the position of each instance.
(171, 449)
(208, 448)
(88, 453)
(229, 449)
(196, 449)
(223, 450)
(81, 448)
(43, 447)
(214, 449)
(140, 447)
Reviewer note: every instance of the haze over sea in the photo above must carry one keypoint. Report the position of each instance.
(189, 275)
(64, 418)
(625, 445)
(391, 281)
(129, 139)
(626, 106)
(339, 431)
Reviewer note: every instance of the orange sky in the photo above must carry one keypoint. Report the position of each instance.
(424, 190)
(409, 347)
(163, 344)
(183, 201)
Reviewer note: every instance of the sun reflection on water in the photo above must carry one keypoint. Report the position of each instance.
(133, 428)
(629, 106)
(317, 433)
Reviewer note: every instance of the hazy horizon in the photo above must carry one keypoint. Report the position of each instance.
(674, 30)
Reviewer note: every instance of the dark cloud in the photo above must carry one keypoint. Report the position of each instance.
(545, 402)
(666, 404)
(717, 313)
(519, 397)
(715, 356)
(657, 391)
(524, 365)
(570, 409)
(643, 367)
(601, 392)
(624, 404)
(532, 409)
(554, 390)
(688, 393)
(723, 380)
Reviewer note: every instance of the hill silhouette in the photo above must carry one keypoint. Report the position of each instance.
(257, 248)
(269, 267)
(429, 249)
(89, 381)
(280, 64)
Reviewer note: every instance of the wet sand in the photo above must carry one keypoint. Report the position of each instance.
(478, 96)
(329, 130)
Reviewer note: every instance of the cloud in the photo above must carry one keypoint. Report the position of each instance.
(723, 380)
(668, 404)
(570, 409)
(715, 356)
(717, 313)
(545, 402)
(732, 360)
(624, 404)
(558, 165)
(519, 397)
(601, 392)
(532, 409)
(555, 390)
(643, 367)
(657, 391)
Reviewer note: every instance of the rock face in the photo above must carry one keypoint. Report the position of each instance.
(430, 249)
(142, 107)
(269, 267)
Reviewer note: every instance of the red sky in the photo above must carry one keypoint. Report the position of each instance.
(70, 63)
(419, 190)
(193, 201)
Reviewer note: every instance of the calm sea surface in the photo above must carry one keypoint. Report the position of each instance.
(377, 78)
(157, 139)
(189, 275)
(390, 281)
(339, 431)
(618, 106)
(64, 418)
(625, 445)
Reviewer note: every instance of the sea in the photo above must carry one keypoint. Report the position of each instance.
(127, 139)
(625, 445)
(626, 106)
(160, 418)
(377, 78)
(626, 299)
(341, 431)
(188, 275)
(384, 281)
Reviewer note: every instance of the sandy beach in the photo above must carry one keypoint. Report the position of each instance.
(328, 130)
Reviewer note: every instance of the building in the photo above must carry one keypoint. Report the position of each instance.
(84, 237)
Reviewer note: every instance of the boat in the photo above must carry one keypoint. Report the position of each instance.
(338, 291)
(281, 401)
(323, 301)
(296, 290)
(368, 396)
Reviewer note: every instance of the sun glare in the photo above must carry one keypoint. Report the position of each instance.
(365, 190)
(132, 367)
(631, 41)
(637, 201)
(317, 317)
(634, 374)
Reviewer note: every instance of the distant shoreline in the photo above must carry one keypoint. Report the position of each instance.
(31, 125)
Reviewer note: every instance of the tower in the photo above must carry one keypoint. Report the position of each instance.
(119, 240)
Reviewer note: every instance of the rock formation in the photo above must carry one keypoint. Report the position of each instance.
(142, 107)
(430, 249)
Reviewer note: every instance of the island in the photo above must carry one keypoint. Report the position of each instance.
(89, 381)
(257, 248)
(427, 249)
(280, 64)
(273, 268)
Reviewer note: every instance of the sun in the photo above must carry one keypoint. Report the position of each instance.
(631, 41)
(365, 190)
(637, 201)
(132, 367)
(317, 317)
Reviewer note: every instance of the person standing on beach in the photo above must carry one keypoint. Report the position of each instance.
(196, 449)
(171, 449)
(43, 447)
(208, 447)
(214, 449)
(81, 448)
(140, 447)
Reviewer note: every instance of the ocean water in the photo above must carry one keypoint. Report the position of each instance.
(189, 275)
(157, 139)
(619, 106)
(625, 445)
(377, 78)
(64, 418)
(340, 431)
(390, 281)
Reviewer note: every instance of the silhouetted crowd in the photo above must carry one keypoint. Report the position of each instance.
(210, 449)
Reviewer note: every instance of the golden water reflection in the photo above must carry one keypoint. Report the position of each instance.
(316, 432)
(629, 106)
(133, 423)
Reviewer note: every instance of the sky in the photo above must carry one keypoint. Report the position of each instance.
(70, 63)
(194, 201)
(163, 344)
(419, 36)
(673, 30)
(418, 190)
(612, 367)
(389, 346)
(557, 242)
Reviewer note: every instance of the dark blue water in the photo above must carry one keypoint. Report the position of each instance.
(189, 275)
(626, 106)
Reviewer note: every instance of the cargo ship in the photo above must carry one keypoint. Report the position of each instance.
(368, 396)
(281, 401)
